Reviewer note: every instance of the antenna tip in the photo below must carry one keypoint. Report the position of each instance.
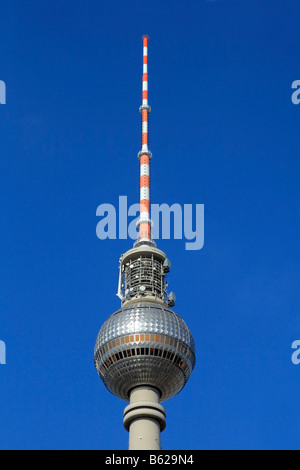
(145, 36)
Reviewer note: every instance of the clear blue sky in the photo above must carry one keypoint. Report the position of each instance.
(224, 133)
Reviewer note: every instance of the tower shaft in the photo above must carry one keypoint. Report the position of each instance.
(144, 418)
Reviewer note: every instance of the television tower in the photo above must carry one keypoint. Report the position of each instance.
(144, 352)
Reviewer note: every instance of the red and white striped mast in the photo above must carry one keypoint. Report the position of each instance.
(145, 156)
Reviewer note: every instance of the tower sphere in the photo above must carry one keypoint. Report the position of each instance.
(145, 343)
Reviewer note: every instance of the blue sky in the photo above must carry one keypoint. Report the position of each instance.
(224, 133)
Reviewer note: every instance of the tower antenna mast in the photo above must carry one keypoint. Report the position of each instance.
(145, 156)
